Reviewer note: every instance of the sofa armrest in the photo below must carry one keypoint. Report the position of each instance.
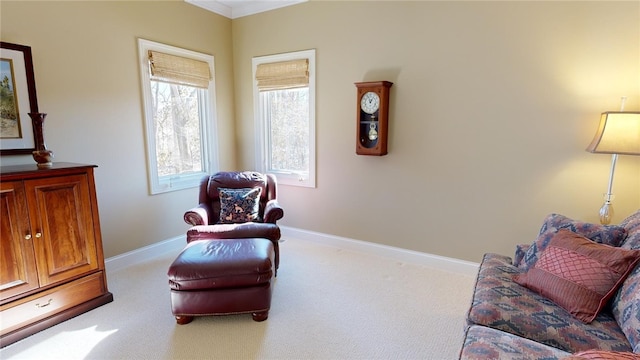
(198, 215)
(273, 212)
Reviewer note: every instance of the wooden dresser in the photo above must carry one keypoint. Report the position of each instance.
(51, 257)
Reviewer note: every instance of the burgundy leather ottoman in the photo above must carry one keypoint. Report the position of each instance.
(221, 277)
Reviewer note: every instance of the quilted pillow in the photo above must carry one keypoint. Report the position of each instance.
(239, 205)
(603, 355)
(604, 234)
(578, 274)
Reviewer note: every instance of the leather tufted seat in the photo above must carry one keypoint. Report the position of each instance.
(219, 277)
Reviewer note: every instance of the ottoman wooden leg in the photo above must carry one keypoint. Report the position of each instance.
(260, 316)
(182, 320)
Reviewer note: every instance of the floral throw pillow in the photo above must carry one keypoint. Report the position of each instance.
(603, 234)
(239, 205)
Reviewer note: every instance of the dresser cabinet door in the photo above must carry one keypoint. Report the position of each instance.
(62, 225)
(18, 273)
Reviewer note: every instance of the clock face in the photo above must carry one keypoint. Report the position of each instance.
(370, 102)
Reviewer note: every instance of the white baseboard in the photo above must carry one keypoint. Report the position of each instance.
(409, 256)
(146, 253)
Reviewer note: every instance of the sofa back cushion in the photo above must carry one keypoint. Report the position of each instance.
(632, 226)
(626, 302)
(604, 234)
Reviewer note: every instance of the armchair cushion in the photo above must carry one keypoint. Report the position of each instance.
(239, 205)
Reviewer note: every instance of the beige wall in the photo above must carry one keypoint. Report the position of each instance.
(87, 76)
(491, 109)
(492, 106)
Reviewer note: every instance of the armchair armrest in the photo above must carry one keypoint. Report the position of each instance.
(273, 212)
(198, 215)
(234, 231)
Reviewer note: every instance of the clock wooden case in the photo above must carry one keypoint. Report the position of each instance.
(372, 117)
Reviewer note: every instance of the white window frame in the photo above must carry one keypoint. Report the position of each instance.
(261, 126)
(161, 184)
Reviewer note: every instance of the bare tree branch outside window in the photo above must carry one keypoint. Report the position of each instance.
(288, 112)
(177, 131)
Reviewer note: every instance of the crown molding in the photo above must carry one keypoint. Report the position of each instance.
(234, 9)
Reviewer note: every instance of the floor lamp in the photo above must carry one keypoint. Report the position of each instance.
(618, 134)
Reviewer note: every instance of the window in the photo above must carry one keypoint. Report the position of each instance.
(179, 104)
(284, 105)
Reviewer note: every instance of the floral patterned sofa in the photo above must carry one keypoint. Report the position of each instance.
(513, 316)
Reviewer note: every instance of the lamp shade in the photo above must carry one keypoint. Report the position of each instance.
(618, 133)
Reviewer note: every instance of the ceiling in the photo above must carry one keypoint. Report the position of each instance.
(238, 8)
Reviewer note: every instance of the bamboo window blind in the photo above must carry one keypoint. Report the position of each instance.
(179, 70)
(283, 75)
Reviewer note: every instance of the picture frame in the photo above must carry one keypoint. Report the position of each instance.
(18, 99)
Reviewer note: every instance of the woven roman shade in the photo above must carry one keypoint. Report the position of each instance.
(179, 70)
(283, 75)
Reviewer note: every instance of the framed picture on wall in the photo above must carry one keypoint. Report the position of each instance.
(17, 99)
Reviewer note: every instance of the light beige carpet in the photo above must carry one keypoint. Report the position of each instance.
(327, 303)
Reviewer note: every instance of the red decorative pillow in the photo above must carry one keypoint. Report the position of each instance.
(603, 355)
(578, 274)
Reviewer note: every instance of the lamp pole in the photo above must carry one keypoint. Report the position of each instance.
(606, 211)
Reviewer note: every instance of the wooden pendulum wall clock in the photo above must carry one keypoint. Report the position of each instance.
(373, 117)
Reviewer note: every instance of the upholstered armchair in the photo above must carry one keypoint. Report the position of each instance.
(236, 205)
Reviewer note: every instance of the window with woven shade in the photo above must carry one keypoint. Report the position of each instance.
(284, 107)
(179, 101)
(179, 70)
(283, 75)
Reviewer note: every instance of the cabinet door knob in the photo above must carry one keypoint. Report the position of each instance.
(38, 235)
(27, 237)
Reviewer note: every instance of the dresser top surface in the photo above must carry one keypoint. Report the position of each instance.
(10, 170)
